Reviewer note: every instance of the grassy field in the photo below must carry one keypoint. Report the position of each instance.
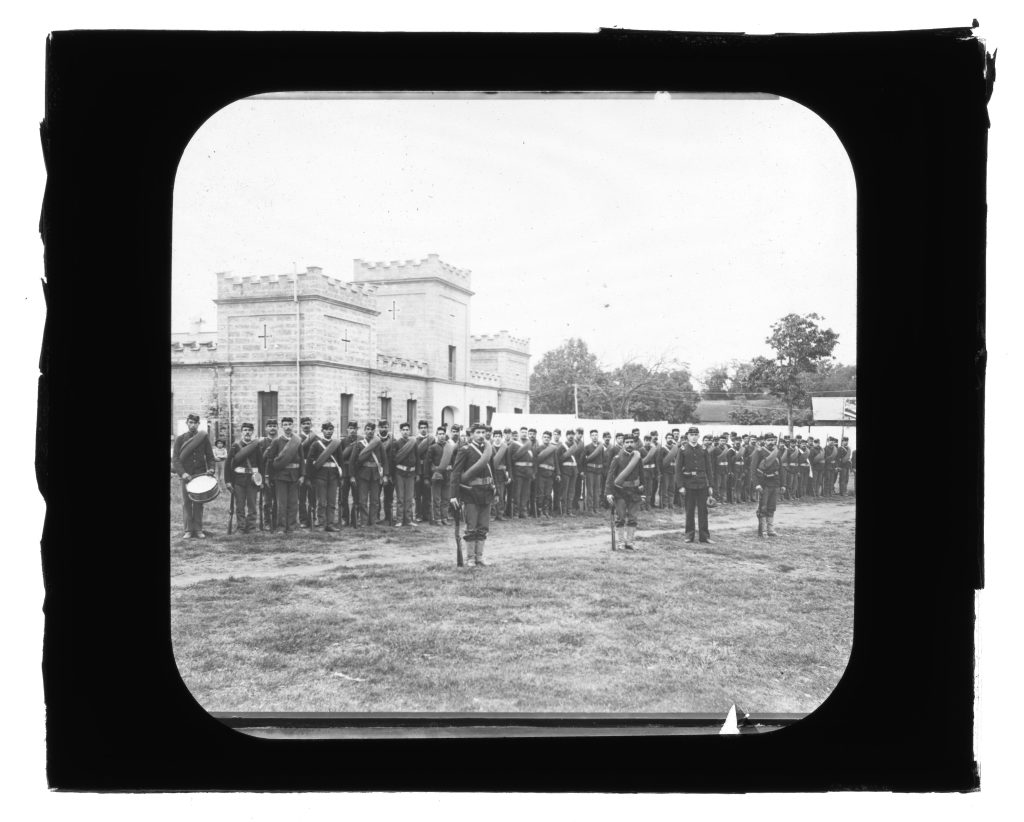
(382, 620)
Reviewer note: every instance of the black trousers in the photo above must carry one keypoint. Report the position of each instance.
(696, 500)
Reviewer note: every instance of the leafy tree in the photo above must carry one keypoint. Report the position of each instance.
(663, 390)
(831, 378)
(551, 383)
(716, 381)
(801, 347)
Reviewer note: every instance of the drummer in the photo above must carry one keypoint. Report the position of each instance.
(197, 459)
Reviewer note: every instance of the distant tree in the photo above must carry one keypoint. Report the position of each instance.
(662, 390)
(551, 383)
(801, 347)
(716, 381)
(832, 379)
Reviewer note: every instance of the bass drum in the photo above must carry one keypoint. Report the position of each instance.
(202, 489)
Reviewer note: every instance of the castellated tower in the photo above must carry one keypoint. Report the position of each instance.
(424, 311)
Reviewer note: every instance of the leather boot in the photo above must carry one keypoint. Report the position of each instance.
(760, 525)
(619, 540)
(630, 533)
(470, 551)
(771, 524)
(479, 554)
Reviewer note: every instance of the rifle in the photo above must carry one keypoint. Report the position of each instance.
(456, 510)
(231, 508)
(611, 509)
(260, 506)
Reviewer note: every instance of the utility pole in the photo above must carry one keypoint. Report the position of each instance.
(575, 400)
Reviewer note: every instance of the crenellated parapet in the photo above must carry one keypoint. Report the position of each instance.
(484, 378)
(430, 267)
(194, 348)
(402, 365)
(311, 283)
(502, 340)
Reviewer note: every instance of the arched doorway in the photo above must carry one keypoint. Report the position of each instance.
(448, 416)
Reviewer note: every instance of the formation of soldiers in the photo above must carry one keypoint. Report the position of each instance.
(301, 479)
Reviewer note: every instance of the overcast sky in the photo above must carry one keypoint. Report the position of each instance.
(679, 227)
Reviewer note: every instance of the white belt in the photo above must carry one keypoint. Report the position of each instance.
(244, 470)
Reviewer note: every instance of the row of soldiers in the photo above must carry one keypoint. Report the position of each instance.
(312, 479)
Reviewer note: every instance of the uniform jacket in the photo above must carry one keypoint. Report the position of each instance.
(410, 461)
(198, 462)
(465, 458)
(284, 474)
(331, 465)
(252, 462)
(523, 454)
(693, 467)
(365, 468)
(765, 468)
(615, 467)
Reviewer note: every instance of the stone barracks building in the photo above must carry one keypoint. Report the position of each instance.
(392, 344)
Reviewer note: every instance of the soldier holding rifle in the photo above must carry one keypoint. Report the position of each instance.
(624, 489)
(472, 488)
(323, 467)
(240, 470)
(284, 466)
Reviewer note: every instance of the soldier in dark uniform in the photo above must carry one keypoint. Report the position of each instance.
(387, 481)
(816, 457)
(283, 461)
(568, 468)
(190, 461)
(347, 487)
(366, 467)
(323, 468)
(546, 459)
(500, 468)
(423, 494)
(243, 461)
(581, 480)
(766, 468)
(651, 471)
(723, 470)
(535, 448)
(843, 460)
(831, 450)
(610, 450)
(667, 464)
(307, 493)
(693, 474)
(853, 467)
(267, 490)
(472, 487)
(593, 463)
(522, 474)
(624, 489)
(402, 461)
(439, 472)
(556, 487)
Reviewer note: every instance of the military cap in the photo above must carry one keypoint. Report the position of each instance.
(287, 419)
(304, 420)
(770, 436)
(846, 439)
(558, 431)
(370, 426)
(270, 422)
(477, 426)
(692, 430)
(532, 431)
(654, 433)
(383, 423)
(507, 431)
(327, 426)
(353, 424)
(422, 422)
(593, 430)
(249, 426)
(629, 436)
(579, 430)
(546, 434)
(193, 418)
(403, 426)
(647, 438)
(799, 436)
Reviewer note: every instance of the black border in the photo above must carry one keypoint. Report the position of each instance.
(121, 107)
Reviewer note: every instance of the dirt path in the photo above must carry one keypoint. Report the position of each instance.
(510, 541)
